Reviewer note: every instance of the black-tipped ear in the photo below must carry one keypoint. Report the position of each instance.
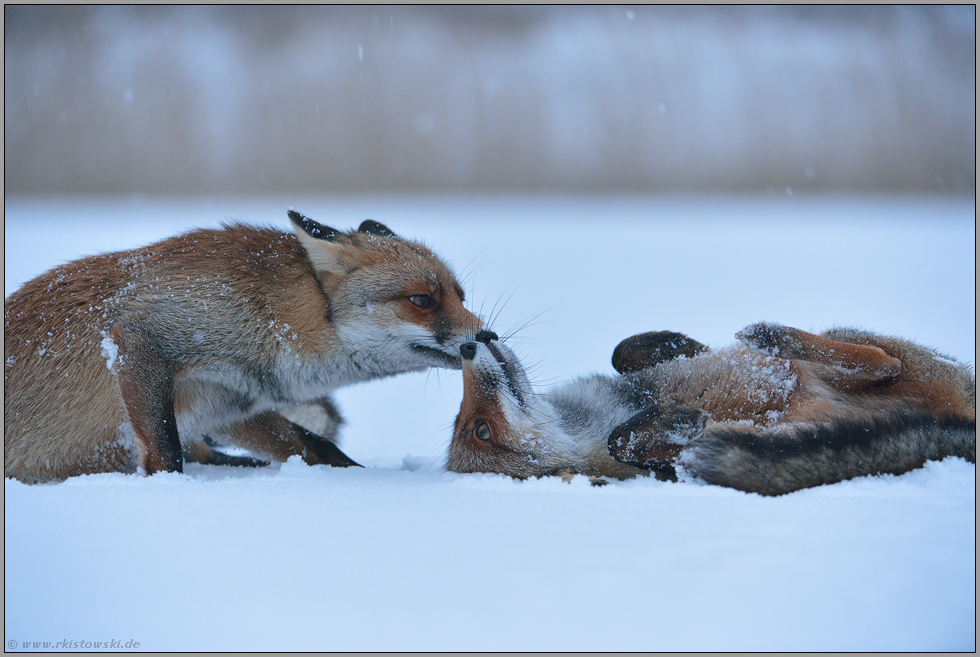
(375, 228)
(312, 228)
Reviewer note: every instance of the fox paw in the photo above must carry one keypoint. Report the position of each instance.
(221, 458)
(771, 340)
(648, 349)
(654, 437)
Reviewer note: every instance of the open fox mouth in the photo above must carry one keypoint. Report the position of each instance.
(510, 372)
(438, 354)
(497, 355)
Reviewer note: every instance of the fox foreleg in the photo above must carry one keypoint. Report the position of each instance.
(318, 450)
(273, 436)
(654, 437)
(203, 451)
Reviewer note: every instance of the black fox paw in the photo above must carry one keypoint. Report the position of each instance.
(220, 458)
(654, 437)
(648, 349)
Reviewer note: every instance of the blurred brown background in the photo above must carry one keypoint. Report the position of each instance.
(178, 100)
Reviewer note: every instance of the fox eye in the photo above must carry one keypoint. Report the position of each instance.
(482, 431)
(423, 301)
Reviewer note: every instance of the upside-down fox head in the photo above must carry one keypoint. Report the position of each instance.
(390, 299)
(502, 425)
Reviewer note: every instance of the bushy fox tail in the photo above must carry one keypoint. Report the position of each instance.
(805, 455)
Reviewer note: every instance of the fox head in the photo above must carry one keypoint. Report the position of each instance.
(503, 426)
(391, 300)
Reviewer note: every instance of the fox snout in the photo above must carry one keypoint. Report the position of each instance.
(467, 351)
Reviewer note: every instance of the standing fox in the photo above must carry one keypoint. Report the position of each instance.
(143, 358)
(784, 410)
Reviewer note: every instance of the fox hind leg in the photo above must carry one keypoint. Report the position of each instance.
(938, 382)
(648, 349)
(851, 362)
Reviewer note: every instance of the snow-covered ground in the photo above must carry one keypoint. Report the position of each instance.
(402, 555)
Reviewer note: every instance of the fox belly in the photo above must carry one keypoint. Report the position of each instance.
(849, 403)
(730, 385)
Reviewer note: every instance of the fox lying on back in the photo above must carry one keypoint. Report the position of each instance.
(144, 357)
(783, 411)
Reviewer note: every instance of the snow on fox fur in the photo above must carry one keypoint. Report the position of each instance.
(781, 411)
(144, 358)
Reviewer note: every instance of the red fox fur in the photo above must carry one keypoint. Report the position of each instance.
(142, 358)
(784, 410)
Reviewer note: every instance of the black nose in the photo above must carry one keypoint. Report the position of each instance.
(468, 350)
(486, 336)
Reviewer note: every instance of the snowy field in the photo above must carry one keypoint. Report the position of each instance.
(402, 555)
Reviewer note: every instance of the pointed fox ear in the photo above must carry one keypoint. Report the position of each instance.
(310, 227)
(317, 239)
(375, 228)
